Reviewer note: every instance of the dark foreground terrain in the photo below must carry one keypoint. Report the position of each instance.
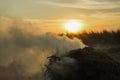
(84, 64)
(80, 64)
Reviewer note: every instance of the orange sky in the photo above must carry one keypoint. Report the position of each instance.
(50, 15)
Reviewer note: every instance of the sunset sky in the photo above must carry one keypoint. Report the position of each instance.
(50, 15)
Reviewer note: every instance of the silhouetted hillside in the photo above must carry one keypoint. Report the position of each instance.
(84, 64)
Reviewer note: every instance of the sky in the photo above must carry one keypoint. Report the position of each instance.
(50, 15)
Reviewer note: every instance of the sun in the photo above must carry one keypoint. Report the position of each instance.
(73, 26)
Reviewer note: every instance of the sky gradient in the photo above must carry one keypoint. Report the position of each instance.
(50, 15)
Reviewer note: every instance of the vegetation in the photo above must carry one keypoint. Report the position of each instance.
(97, 38)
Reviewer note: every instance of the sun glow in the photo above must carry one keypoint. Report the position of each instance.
(73, 26)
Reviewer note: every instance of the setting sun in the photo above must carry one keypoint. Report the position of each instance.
(73, 26)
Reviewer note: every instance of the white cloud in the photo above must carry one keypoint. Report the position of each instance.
(85, 4)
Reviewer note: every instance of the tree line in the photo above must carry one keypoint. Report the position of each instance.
(94, 38)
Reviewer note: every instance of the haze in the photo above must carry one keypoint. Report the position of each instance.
(49, 15)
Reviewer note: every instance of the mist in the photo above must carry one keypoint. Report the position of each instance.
(24, 54)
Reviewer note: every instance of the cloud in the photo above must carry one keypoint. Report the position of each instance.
(85, 4)
(24, 53)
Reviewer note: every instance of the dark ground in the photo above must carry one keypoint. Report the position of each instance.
(89, 64)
